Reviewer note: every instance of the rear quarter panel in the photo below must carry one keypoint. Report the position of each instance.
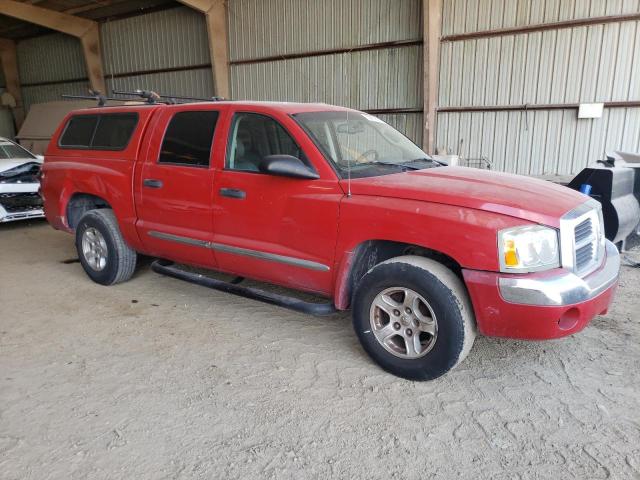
(107, 174)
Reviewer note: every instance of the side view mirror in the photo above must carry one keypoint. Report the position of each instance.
(286, 166)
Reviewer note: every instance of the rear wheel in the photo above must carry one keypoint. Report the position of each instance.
(102, 251)
(413, 316)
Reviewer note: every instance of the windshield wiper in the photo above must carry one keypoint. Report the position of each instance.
(409, 164)
(403, 166)
(426, 159)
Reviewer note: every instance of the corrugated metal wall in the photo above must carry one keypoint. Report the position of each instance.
(50, 58)
(376, 79)
(171, 45)
(465, 16)
(596, 63)
(166, 51)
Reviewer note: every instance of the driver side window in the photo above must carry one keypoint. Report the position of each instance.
(253, 137)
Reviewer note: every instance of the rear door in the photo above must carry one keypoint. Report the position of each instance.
(174, 184)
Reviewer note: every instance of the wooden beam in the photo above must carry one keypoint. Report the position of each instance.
(93, 58)
(58, 21)
(9, 60)
(432, 25)
(85, 30)
(215, 12)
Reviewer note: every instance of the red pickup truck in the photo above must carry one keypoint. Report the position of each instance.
(336, 202)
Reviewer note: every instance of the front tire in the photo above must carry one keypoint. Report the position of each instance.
(413, 317)
(103, 253)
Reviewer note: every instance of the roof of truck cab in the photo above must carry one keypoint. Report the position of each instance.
(284, 107)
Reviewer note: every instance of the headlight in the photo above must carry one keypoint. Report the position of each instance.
(528, 249)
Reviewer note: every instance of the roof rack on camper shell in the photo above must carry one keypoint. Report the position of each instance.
(148, 96)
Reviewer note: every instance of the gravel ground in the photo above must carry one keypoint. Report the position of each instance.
(157, 378)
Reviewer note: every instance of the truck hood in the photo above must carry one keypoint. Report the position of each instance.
(534, 200)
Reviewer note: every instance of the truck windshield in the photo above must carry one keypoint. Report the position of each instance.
(363, 144)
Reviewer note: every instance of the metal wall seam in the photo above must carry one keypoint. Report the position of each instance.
(47, 93)
(164, 39)
(390, 78)
(592, 63)
(539, 142)
(197, 82)
(266, 25)
(466, 16)
(583, 64)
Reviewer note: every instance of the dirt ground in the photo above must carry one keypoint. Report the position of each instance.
(160, 379)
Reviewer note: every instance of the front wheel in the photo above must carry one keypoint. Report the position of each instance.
(103, 253)
(413, 317)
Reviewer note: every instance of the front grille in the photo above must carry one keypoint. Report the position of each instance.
(582, 241)
(583, 231)
(585, 244)
(584, 256)
(20, 202)
(585, 235)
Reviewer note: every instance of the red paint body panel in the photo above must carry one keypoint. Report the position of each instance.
(454, 211)
(498, 318)
(282, 216)
(103, 173)
(183, 205)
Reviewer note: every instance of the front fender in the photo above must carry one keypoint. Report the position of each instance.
(465, 235)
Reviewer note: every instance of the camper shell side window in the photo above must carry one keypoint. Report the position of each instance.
(104, 131)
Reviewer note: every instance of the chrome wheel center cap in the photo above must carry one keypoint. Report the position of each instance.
(403, 322)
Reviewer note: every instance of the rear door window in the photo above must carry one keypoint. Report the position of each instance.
(109, 131)
(188, 138)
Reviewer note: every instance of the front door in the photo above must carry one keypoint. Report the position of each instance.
(174, 186)
(277, 229)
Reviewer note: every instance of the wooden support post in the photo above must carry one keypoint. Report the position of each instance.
(432, 26)
(216, 17)
(87, 31)
(9, 60)
(93, 58)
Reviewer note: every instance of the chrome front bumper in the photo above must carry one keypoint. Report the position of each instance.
(561, 286)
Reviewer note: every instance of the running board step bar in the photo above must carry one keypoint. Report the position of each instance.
(169, 269)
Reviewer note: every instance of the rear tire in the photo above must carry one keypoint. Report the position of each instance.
(103, 253)
(413, 317)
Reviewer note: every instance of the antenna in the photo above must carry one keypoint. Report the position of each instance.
(348, 155)
(348, 166)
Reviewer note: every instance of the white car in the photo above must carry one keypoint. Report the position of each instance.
(19, 170)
